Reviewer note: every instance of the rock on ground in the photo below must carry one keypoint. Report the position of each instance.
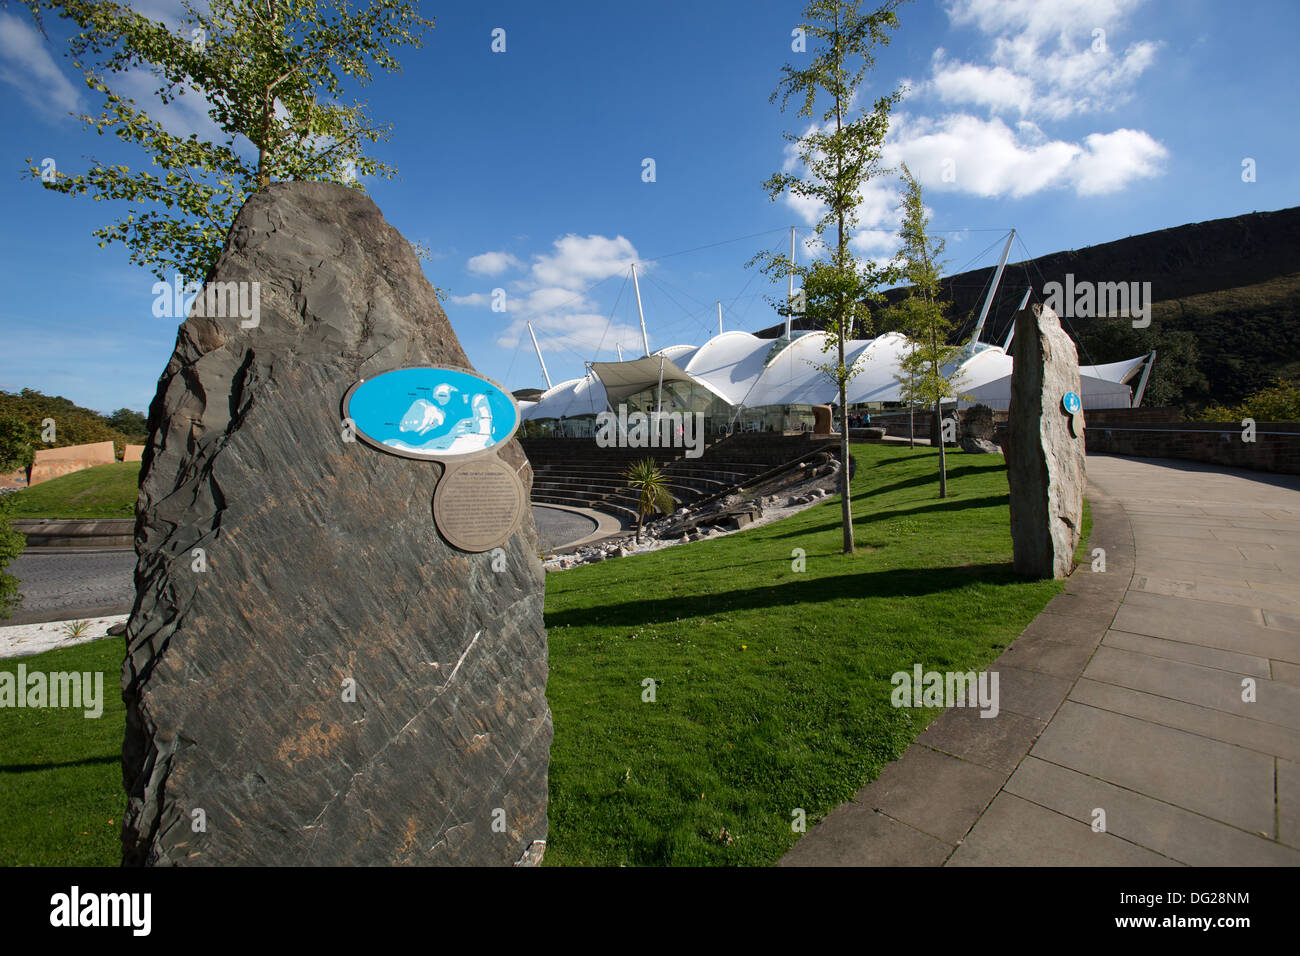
(1045, 459)
(282, 571)
(979, 446)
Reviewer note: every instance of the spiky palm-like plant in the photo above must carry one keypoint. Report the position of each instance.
(652, 487)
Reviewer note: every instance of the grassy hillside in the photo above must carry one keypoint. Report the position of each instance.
(105, 491)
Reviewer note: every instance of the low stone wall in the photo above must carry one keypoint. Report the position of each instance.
(1276, 447)
(70, 533)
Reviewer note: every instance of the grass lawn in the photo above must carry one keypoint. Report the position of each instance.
(772, 685)
(105, 491)
(61, 796)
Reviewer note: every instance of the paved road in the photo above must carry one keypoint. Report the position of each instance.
(58, 585)
(1159, 700)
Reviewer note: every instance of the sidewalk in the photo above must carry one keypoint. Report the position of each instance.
(1124, 696)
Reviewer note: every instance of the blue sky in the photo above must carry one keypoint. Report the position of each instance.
(522, 170)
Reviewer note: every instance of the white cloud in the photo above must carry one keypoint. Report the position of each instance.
(1039, 19)
(1110, 161)
(577, 261)
(581, 333)
(473, 299)
(554, 294)
(492, 263)
(968, 84)
(26, 64)
(990, 159)
(1052, 58)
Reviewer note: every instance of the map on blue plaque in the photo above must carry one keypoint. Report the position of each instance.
(432, 413)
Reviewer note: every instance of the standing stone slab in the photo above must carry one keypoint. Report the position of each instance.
(1045, 458)
(280, 565)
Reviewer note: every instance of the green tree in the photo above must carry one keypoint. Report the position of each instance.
(1279, 402)
(11, 545)
(928, 369)
(271, 73)
(129, 423)
(840, 154)
(651, 486)
(1176, 379)
(18, 438)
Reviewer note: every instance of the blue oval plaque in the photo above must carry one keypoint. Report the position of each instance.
(1070, 402)
(432, 413)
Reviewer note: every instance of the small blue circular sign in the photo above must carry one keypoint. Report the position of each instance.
(433, 413)
(1070, 402)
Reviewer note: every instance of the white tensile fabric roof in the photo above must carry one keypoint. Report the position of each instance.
(743, 369)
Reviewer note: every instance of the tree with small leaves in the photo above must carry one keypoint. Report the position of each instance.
(928, 371)
(840, 154)
(271, 75)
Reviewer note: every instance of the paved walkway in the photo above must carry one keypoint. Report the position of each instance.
(1164, 693)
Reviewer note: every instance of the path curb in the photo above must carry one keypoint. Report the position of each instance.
(922, 806)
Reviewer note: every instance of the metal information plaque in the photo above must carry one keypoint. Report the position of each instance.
(477, 504)
(459, 418)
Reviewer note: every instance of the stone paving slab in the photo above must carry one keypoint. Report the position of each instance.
(1270, 596)
(1237, 663)
(1239, 575)
(1171, 831)
(1182, 606)
(1269, 739)
(1029, 693)
(1083, 606)
(1061, 629)
(1190, 627)
(1016, 832)
(1212, 778)
(933, 792)
(998, 742)
(855, 835)
(1274, 702)
(1062, 660)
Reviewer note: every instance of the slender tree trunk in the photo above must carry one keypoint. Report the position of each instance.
(911, 410)
(938, 411)
(846, 503)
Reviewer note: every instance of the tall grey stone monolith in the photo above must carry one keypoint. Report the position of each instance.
(1045, 458)
(313, 675)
